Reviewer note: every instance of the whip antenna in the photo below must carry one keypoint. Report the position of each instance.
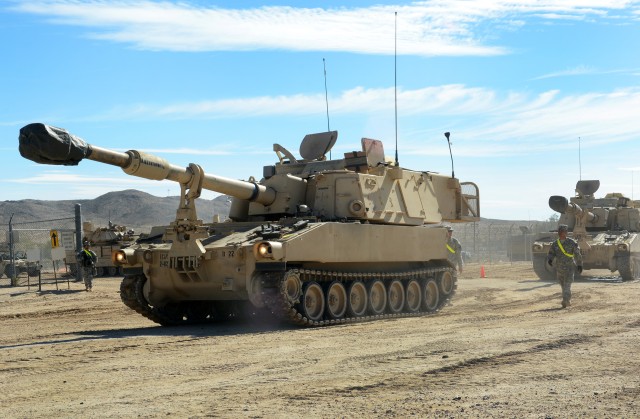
(579, 159)
(447, 134)
(326, 95)
(395, 80)
(326, 98)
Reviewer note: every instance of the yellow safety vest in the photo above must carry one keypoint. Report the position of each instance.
(564, 251)
(452, 250)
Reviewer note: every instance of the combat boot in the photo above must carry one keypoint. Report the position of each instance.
(564, 304)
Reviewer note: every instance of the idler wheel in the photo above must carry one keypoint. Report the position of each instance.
(292, 286)
(446, 283)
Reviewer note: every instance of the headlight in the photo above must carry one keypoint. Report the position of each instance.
(268, 250)
(264, 250)
(123, 257)
(119, 257)
(537, 247)
(623, 247)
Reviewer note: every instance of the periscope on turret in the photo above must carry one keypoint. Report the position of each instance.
(314, 242)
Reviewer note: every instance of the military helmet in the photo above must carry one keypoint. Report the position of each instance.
(563, 227)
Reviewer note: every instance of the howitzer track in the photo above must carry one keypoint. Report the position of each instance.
(629, 268)
(309, 306)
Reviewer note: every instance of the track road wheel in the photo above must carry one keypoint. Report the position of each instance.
(357, 299)
(336, 300)
(542, 268)
(446, 282)
(413, 296)
(112, 270)
(9, 270)
(628, 268)
(396, 296)
(313, 302)
(377, 297)
(430, 295)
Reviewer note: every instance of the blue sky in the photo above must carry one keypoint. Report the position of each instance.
(536, 94)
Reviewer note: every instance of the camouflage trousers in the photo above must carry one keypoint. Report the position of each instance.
(87, 275)
(565, 278)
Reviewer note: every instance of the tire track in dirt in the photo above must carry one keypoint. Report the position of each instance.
(510, 357)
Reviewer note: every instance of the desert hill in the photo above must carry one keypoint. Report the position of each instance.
(132, 208)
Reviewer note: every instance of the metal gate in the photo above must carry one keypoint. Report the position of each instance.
(35, 251)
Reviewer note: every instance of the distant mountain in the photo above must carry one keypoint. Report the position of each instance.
(134, 209)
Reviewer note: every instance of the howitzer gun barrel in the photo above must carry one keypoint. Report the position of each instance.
(45, 144)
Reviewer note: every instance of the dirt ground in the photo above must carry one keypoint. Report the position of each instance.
(504, 348)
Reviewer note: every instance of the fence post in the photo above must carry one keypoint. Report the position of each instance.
(490, 245)
(12, 260)
(78, 240)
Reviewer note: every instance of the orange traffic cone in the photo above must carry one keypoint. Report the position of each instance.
(482, 271)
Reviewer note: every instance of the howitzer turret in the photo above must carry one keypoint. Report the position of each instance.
(104, 241)
(605, 228)
(315, 241)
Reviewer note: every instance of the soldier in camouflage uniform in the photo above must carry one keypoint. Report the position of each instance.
(87, 260)
(568, 259)
(455, 250)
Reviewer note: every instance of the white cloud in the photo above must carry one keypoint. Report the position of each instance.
(437, 27)
(63, 177)
(548, 119)
(491, 122)
(582, 70)
(447, 99)
(187, 151)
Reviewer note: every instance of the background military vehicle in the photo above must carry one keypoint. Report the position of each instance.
(20, 264)
(3, 264)
(104, 241)
(315, 242)
(606, 230)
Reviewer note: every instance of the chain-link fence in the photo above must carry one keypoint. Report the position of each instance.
(34, 252)
(499, 241)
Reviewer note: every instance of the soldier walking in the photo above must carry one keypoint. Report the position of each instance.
(568, 259)
(455, 250)
(87, 260)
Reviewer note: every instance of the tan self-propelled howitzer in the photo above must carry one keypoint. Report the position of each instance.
(104, 241)
(606, 229)
(315, 242)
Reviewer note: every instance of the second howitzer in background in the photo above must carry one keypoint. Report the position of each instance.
(314, 242)
(605, 228)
